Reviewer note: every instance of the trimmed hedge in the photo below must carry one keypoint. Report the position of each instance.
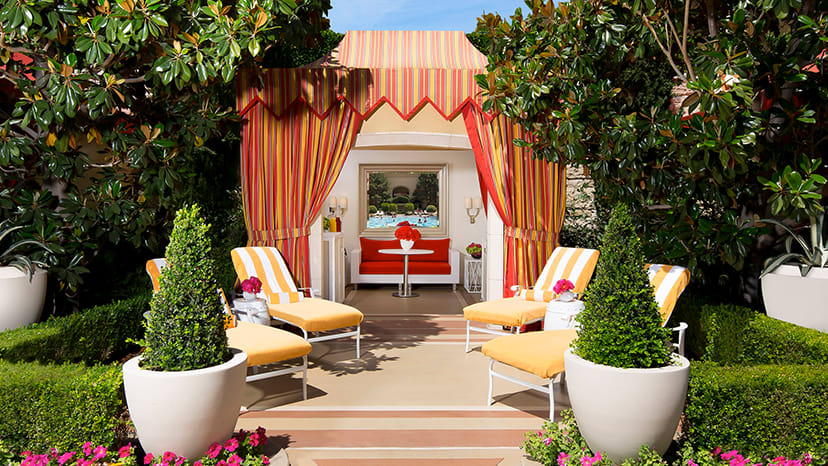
(766, 409)
(738, 335)
(91, 336)
(43, 406)
(763, 388)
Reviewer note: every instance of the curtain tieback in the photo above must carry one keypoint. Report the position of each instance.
(279, 234)
(528, 234)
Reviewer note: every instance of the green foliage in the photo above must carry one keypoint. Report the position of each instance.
(293, 55)
(100, 334)
(400, 200)
(621, 325)
(738, 335)
(111, 126)
(427, 190)
(555, 438)
(59, 406)
(408, 207)
(431, 208)
(392, 208)
(21, 253)
(758, 409)
(185, 330)
(379, 190)
(372, 209)
(568, 73)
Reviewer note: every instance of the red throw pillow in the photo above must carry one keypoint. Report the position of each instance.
(370, 249)
(439, 246)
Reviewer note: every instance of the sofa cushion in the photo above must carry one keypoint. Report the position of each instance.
(370, 250)
(414, 267)
(439, 246)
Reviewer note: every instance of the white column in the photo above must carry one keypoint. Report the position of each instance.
(494, 255)
(315, 259)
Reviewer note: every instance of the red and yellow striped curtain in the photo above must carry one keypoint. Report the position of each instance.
(529, 195)
(289, 165)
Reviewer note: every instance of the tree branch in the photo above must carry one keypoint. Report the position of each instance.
(139, 79)
(712, 24)
(661, 46)
(682, 46)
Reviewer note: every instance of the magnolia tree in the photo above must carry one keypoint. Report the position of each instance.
(113, 106)
(592, 80)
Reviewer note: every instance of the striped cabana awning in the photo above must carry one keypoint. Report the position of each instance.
(406, 69)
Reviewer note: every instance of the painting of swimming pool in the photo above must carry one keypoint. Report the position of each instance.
(390, 221)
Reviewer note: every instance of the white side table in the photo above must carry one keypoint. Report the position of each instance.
(254, 311)
(472, 274)
(561, 314)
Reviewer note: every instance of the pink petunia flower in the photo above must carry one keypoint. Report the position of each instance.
(125, 451)
(730, 455)
(807, 458)
(65, 457)
(197, 463)
(214, 450)
(180, 460)
(100, 452)
(221, 463)
(231, 445)
(562, 457)
(547, 441)
(716, 451)
(779, 460)
(254, 439)
(262, 434)
(234, 460)
(691, 463)
(87, 448)
(168, 456)
(265, 460)
(597, 457)
(148, 459)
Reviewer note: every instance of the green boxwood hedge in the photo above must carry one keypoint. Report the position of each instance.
(43, 406)
(91, 336)
(763, 409)
(763, 387)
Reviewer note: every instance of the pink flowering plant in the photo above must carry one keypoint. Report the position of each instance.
(563, 285)
(243, 449)
(560, 444)
(252, 285)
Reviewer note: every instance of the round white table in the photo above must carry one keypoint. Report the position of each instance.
(406, 289)
(561, 314)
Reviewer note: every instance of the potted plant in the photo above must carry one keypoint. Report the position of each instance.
(406, 235)
(22, 279)
(475, 250)
(626, 387)
(795, 283)
(184, 392)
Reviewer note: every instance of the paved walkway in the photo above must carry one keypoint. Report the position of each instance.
(414, 397)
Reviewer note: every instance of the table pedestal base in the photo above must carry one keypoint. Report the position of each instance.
(409, 295)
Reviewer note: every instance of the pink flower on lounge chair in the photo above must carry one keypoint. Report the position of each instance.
(252, 285)
(563, 285)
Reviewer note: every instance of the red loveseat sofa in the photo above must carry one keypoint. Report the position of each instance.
(368, 265)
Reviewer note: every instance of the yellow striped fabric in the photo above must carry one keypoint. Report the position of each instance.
(267, 265)
(288, 168)
(573, 264)
(405, 69)
(154, 268)
(668, 281)
(529, 194)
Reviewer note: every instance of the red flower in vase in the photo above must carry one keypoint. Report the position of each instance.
(405, 232)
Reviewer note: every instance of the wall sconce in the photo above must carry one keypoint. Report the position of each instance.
(473, 204)
(337, 206)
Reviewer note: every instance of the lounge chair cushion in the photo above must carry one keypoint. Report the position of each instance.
(316, 315)
(508, 311)
(414, 267)
(540, 353)
(266, 345)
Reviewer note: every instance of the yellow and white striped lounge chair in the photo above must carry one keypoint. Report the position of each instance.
(287, 303)
(527, 306)
(263, 344)
(542, 353)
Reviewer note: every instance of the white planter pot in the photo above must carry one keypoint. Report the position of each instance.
(22, 300)
(406, 243)
(796, 299)
(184, 412)
(618, 410)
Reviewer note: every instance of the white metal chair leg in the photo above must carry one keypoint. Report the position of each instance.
(552, 399)
(468, 327)
(305, 377)
(491, 379)
(357, 339)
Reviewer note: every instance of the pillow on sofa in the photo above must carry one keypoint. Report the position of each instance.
(439, 246)
(370, 249)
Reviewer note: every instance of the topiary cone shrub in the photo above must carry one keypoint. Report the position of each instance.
(621, 325)
(185, 330)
